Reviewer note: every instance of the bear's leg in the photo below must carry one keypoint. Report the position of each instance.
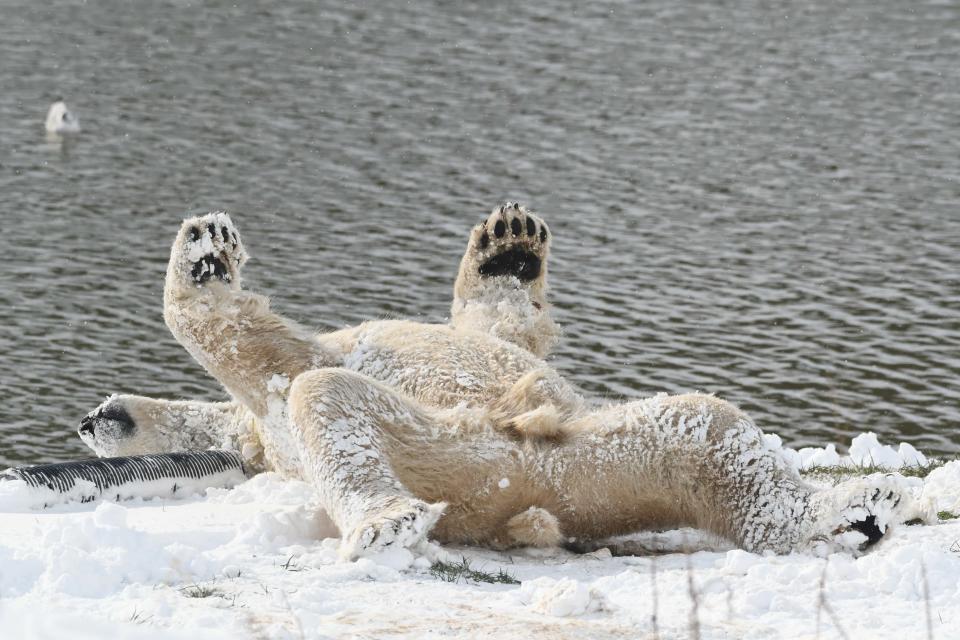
(698, 461)
(252, 351)
(501, 287)
(385, 466)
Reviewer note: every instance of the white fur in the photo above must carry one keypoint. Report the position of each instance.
(61, 120)
(396, 421)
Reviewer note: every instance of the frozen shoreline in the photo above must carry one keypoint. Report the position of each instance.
(255, 562)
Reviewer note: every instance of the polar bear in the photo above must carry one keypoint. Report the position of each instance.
(60, 119)
(408, 429)
(501, 289)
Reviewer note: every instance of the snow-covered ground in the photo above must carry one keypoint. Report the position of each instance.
(256, 562)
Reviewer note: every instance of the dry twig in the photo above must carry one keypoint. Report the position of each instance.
(823, 605)
(695, 600)
(653, 583)
(926, 598)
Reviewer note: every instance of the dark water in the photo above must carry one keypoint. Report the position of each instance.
(759, 199)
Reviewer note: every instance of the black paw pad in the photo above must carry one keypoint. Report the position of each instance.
(194, 234)
(209, 267)
(484, 240)
(517, 262)
(531, 227)
(516, 226)
(499, 229)
(869, 528)
(543, 234)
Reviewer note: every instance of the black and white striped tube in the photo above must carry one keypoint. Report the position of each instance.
(144, 476)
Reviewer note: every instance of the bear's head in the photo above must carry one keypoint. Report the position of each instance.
(121, 427)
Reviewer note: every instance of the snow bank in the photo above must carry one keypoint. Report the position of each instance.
(943, 485)
(865, 451)
(260, 561)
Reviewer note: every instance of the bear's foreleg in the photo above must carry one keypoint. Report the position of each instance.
(501, 287)
(254, 352)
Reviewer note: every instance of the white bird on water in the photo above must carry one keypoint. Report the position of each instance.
(61, 120)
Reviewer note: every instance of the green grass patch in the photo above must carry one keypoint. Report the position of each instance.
(456, 571)
(840, 473)
(947, 515)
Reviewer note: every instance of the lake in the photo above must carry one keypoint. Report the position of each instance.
(755, 199)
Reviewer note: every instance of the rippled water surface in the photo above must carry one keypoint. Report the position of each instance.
(755, 199)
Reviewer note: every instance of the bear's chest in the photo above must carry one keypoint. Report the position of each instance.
(440, 368)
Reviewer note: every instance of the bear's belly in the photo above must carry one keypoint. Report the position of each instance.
(436, 365)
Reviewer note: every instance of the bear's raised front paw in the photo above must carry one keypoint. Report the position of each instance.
(403, 525)
(208, 248)
(511, 242)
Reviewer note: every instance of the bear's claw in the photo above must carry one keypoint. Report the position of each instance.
(857, 514)
(403, 526)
